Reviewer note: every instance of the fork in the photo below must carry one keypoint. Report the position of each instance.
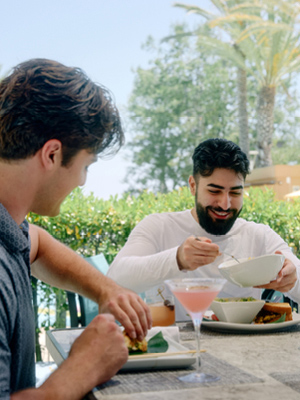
(230, 255)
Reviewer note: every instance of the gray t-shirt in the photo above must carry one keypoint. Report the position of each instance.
(17, 367)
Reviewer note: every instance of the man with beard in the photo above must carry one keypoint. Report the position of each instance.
(192, 243)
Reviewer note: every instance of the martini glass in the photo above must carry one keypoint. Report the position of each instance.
(196, 295)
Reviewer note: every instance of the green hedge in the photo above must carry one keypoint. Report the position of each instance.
(90, 225)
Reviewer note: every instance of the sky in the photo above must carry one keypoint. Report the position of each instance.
(104, 38)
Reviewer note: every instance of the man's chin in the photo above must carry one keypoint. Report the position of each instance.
(218, 227)
(218, 230)
(54, 212)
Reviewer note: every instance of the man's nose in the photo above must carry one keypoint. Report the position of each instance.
(225, 201)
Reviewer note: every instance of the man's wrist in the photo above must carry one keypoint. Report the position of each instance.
(179, 264)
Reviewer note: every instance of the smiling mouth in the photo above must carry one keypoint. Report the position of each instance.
(220, 214)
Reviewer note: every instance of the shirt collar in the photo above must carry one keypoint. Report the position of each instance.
(12, 235)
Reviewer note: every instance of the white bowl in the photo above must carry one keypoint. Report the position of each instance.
(252, 271)
(240, 312)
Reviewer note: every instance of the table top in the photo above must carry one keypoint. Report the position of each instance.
(256, 366)
(251, 366)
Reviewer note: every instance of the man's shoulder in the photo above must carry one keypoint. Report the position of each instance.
(242, 223)
(169, 216)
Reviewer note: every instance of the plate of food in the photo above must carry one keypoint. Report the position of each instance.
(273, 317)
(157, 351)
(160, 350)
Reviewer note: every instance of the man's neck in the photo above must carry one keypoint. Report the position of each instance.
(17, 183)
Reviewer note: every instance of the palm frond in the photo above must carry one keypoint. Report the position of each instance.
(286, 7)
(221, 5)
(195, 10)
(265, 27)
(251, 7)
(178, 36)
(223, 49)
(234, 18)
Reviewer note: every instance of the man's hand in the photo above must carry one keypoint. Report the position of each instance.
(96, 356)
(100, 350)
(127, 307)
(286, 278)
(196, 252)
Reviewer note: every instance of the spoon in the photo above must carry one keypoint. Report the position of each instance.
(230, 255)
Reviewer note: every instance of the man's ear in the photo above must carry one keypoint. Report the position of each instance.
(51, 154)
(192, 184)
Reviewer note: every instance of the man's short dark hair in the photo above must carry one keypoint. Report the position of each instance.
(219, 153)
(42, 99)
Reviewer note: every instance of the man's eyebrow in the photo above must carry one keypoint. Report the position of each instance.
(222, 187)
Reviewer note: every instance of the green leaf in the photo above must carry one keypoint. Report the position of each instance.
(281, 319)
(157, 344)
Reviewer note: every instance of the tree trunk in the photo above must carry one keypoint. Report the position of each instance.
(242, 110)
(265, 125)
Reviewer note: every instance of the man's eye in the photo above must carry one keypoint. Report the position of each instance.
(214, 191)
(235, 193)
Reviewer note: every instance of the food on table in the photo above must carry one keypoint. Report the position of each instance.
(272, 312)
(135, 345)
(239, 310)
(227, 299)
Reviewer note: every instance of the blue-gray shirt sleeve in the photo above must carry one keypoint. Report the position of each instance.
(17, 365)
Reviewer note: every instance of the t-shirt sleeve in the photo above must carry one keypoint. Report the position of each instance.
(142, 263)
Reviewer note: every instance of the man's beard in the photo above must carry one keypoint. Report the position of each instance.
(217, 226)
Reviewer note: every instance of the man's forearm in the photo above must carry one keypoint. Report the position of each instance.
(140, 273)
(61, 267)
(63, 384)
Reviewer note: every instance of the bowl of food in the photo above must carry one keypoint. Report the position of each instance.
(240, 310)
(252, 271)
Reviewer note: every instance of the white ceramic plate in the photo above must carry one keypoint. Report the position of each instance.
(248, 328)
(178, 361)
(59, 343)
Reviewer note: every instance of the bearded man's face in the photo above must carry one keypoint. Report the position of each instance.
(218, 200)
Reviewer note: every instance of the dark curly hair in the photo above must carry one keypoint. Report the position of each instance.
(219, 153)
(42, 99)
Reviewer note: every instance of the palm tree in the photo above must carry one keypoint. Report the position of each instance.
(262, 40)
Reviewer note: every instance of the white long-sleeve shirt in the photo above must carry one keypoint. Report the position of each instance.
(149, 256)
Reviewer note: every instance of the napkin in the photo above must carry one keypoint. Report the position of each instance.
(167, 331)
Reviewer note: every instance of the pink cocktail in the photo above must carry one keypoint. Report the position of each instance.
(197, 299)
(196, 295)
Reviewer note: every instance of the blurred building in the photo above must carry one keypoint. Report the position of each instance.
(283, 179)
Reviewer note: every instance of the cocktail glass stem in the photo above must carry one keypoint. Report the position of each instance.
(198, 376)
(197, 324)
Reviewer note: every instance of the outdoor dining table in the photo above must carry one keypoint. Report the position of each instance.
(252, 366)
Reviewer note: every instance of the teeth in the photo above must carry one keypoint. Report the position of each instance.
(221, 213)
